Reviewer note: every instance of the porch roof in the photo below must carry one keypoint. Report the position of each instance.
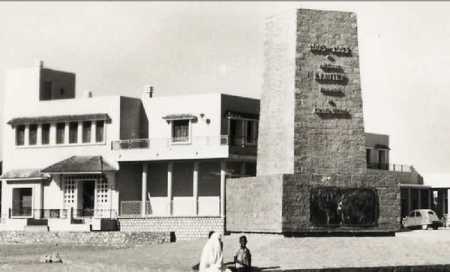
(182, 116)
(59, 118)
(382, 146)
(80, 164)
(241, 115)
(24, 174)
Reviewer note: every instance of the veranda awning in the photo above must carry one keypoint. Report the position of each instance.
(60, 118)
(183, 116)
(382, 146)
(25, 174)
(80, 165)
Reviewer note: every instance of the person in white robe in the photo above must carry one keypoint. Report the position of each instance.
(211, 259)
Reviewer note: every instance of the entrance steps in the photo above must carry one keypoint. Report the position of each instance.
(105, 224)
(37, 228)
(66, 225)
(13, 224)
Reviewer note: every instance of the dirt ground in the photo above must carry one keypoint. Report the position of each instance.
(270, 253)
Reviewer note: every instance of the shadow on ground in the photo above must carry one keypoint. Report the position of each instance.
(418, 268)
(413, 268)
(254, 268)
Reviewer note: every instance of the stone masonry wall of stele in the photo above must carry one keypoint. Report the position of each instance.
(311, 136)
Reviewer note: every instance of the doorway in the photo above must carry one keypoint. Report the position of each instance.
(86, 190)
(21, 201)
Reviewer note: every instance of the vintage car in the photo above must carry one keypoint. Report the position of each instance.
(422, 218)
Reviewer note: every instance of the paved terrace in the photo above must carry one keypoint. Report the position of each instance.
(270, 253)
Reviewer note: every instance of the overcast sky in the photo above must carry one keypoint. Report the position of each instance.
(190, 47)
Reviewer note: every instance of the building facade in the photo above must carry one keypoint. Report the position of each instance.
(150, 163)
(184, 163)
(413, 193)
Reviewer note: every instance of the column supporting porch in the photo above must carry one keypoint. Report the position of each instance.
(222, 187)
(169, 187)
(195, 189)
(144, 188)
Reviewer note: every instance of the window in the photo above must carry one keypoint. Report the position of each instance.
(45, 134)
(382, 159)
(252, 132)
(60, 130)
(445, 201)
(32, 133)
(69, 192)
(102, 190)
(99, 129)
(236, 132)
(87, 131)
(20, 135)
(180, 131)
(73, 132)
(368, 156)
(47, 91)
(381, 156)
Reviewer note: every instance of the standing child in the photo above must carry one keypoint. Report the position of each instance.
(243, 258)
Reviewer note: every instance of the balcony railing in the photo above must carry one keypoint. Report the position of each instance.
(242, 141)
(236, 145)
(95, 213)
(390, 167)
(62, 213)
(149, 142)
(130, 144)
(38, 213)
(50, 213)
(161, 206)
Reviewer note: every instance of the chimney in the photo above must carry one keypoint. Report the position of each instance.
(88, 94)
(148, 90)
(39, 63)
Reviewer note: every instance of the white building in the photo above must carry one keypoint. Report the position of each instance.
(154, 163)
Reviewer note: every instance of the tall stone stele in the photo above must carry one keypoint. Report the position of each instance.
(311, 165)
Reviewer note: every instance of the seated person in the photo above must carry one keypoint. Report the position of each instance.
(243, 258)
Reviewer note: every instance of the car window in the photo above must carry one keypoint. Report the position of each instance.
(431, 212)
(418, 214)
(412, 214)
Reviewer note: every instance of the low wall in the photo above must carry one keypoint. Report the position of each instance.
(113, 238)
(184, 227)
(410, 177)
